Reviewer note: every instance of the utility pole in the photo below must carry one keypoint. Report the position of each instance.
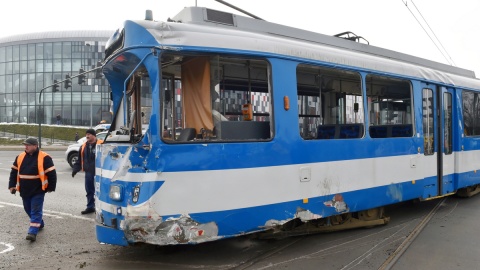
(67, 82)
(54, 87)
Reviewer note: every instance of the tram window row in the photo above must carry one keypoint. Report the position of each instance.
(330, 103)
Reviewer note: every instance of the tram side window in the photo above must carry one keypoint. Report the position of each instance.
(215, 98)
(471, 113)
(389, 107)
(330, 103)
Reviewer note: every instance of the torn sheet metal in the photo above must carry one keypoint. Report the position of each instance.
(302, 214)
(338, 203)
(172, 231)
(306, 215)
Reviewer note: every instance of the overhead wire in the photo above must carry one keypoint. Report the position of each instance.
(445, 50)
(449, 59)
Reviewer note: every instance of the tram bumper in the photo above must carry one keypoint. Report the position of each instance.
(140, 224)
(169, 231)
(110, 235)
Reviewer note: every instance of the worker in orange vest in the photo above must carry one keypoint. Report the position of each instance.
(86, 163)
(33, 174)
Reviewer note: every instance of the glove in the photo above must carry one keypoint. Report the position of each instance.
(13, 191)
(73, 173)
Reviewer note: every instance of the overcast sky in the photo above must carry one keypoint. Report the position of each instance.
(384, 23)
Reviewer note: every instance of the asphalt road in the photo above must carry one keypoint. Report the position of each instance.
(448, 240)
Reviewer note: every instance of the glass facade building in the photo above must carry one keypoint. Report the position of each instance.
(30, 63)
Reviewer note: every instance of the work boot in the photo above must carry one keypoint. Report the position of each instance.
(88, 211)
(32, 237)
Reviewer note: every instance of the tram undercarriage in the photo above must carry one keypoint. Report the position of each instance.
(468, 191)
(363, 219)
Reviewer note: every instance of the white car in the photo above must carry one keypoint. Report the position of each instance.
(71, 155)
(102, 127)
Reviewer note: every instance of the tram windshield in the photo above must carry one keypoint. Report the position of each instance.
(133, 98)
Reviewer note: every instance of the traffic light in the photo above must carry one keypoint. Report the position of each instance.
(81, 76)
(68, 83)
(98, 71)
(55, 86)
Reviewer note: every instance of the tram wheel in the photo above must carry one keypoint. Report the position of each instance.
(468, 191)
(371, 214)
(340, 219)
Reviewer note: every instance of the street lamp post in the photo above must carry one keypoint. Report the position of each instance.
(91, 92)
(41, 119)
(91, 105)
(54, 89)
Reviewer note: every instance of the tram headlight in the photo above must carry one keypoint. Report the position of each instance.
(116, 192)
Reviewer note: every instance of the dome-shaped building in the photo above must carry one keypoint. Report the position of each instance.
(30, 63)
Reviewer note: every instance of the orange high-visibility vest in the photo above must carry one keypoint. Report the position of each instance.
(41, 171)
(81, 151)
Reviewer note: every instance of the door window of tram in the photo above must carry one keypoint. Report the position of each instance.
(389, 107)
(447, 119)
(427, 108)
(471, 113)
(330, 103)
(215, 98)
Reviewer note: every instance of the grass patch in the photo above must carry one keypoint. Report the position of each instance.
(14, 133)
(8, 141)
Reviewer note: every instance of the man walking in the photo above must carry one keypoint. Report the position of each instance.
(87, 164)
(59, 119)
(33, 174)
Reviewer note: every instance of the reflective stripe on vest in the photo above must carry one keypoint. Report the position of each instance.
(81, 152)
(41, 172)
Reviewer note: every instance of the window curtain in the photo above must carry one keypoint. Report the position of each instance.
(197, 107)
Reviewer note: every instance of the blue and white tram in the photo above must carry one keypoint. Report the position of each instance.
(225, 125)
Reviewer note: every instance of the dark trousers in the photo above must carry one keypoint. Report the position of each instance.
(90, 189)
(33, 206)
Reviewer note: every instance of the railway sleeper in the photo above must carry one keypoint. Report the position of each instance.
(363, 219)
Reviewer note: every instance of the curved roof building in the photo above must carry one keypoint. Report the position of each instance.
(29, 65)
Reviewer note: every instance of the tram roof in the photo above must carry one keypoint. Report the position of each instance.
(199, 26)
(205, 16)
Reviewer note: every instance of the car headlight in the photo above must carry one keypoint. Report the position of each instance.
(116, 192)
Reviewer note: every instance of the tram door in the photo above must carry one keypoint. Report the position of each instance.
(437, 132)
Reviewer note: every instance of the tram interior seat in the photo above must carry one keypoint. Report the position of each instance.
(187, 134)
(388, 131)
(340, 131)
(242, 130)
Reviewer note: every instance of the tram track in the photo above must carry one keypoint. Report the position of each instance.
(372, 244)
(266, 255)
(334, 248)
(392, 259)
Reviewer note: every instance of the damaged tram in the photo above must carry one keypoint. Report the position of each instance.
(226, 125)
